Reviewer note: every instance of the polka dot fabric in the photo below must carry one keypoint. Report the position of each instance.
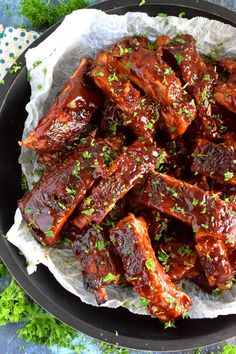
(13, 41)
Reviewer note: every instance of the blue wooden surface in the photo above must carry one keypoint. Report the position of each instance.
(9, 342)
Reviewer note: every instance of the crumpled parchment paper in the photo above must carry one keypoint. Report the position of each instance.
(86, 33)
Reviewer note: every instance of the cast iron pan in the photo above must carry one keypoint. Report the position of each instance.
(139, 332)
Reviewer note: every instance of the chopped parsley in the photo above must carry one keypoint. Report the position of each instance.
(36, 63)
(71, 191)
(195, 201)
(170, 324)
(49, 233)
(181, 14)
(185, 251)
(98, 73)
(206, 77)
(144, 302)
(228, 175)
(110, 277)
(113, 78)
(88, 212)
(185, 315)
(179, 58)
(100, 245)
(76, 169)
(86, 154)
(163, 257)
(205, 226)
(150, 264)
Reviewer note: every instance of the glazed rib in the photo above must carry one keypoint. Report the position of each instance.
(217, 161)
(99, 262)
(152, 75)
(225, 94)
(178, 258)
(200, 77)
(69, 113)
(125, 172)
(138, 112)
(214, 259)
(190, 204)
(144, 272)
(48, 205)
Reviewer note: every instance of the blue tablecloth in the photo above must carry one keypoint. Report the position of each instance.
(9, 342)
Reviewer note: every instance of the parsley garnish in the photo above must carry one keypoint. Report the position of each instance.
(110, 277)
(206, 77)
(37, 63)
(150, 264)
(195, 201)
(88, 212)
(170, 324)
(144, 302)
(179, 58)
(228, 175)
(113, 78)
(86, 154)
(100, 245)
(98, 73)
(76, 169)
(142, 2)
(49, 233)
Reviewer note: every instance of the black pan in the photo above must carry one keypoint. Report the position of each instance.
(140, 332)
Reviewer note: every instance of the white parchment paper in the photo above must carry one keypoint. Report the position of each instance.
(85, 33)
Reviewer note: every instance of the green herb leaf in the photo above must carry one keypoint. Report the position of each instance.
(110, 277)
(100, 245)
(170, 324)
(98, 73)
(41, 14)
(228, 175)
(49, 233)
(86, 154)
(142, 2)
(150, 264)
(179, 58)
(144, 302)
(206, 77)
(88, 212)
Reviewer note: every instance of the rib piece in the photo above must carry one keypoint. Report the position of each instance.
(225, 94)
(201, 79)
(126, 171)
(100, 263)
(140, 113)
(229, 64)
(144, 272)
(190, 204)
(69, 113)
(213, 256)
(217, 161)
(178, 258)
(151, 74)
(48, 205)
